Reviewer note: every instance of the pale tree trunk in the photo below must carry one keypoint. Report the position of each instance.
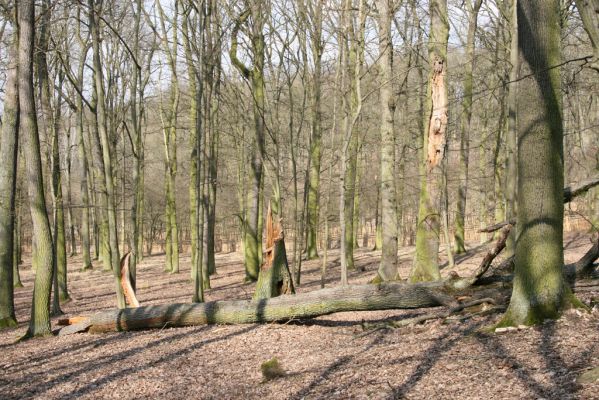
(9, 143)
(352, 59)
(113, 248)
(511, 178)
(426, 260)
(388, 267)
(466, 117)
(43, 258)
(83, 159)
(169, 127)
(539, 290)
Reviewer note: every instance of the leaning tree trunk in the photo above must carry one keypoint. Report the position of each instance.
(426, 260)
(539, 290)
(9, 142)
(43, 257)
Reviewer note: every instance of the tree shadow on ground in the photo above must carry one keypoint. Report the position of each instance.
(115, 360)
(430, 357)
(561, 384)
(334, 367)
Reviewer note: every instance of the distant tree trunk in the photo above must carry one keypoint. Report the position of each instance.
(589, 13)
(113, 248)
(511, 179)
(539, 290)
(43, 257)
(465, 128)
(388, 268)
(195, 138)
(313, 195)
(352, 60)
(170, 142)
(9, 143)
(426, 260)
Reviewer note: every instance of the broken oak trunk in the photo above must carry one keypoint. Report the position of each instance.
(384, 296)
(274, 278)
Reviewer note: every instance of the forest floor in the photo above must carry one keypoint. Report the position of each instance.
(327, 357)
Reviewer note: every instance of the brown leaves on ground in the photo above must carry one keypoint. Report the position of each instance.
(322, 358)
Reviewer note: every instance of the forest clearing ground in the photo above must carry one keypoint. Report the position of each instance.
(323, 357)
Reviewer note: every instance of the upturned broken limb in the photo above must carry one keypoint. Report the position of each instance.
(126, 282)
(570, 192)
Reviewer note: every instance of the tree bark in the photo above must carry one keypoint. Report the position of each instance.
(465, 125)
(539, 290)
(426, 260)
(388, 267)
(113, 249)
(43, 257)
(283, 308)
(9, 143)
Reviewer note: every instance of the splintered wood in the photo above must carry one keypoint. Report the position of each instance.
(438, 121)
(126, 282)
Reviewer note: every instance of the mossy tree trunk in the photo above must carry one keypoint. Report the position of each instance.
(539, 290)
(388, 267)
(466, 117)
(9, 143)
(43, 257)
(314, 161)
(426, 260)
(50, 123)
(255, 75)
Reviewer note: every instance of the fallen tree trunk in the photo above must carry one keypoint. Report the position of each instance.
(384, 296)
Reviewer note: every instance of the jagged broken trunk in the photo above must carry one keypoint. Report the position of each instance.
(274, 278)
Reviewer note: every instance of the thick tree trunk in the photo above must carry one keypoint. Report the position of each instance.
(43, 256)
(539, 290)
(9, 143)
